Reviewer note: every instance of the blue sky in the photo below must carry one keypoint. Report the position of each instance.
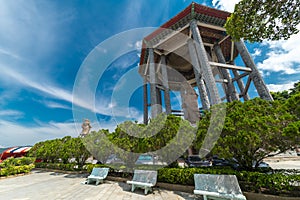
(43, 45)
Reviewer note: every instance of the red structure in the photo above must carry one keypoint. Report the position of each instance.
(14, 152)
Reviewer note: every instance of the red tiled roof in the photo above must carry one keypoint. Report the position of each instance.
(191, 10)
(194, 7)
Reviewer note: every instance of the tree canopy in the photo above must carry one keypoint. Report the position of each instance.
(256, 20)
(256, 128)
(165, 136)
(252, 130)
(286, 94)
(61, 150)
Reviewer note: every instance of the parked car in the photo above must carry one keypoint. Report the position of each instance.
(216, 161)
(196, 161)
(181, 163)
(145, 159)
(113, 159)
(261, 164)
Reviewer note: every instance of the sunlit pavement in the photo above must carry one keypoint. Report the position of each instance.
(51, 185)
(284, 164)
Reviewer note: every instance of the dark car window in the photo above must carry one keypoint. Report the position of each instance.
(194, 158)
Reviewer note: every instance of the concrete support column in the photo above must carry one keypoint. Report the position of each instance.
(145, 101)
(189, 100)
(153, 91)
(199, 79)
(159, 99)
(165, 84)
(204, 64)
(231, 89)
(258, 81)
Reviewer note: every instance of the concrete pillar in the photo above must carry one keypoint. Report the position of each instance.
(153, 90)
(145, 101)
(231, 89)
(199, 79)
(165, 84)
(159, 100)
(258, 81)
(189, 100)
(204, 64)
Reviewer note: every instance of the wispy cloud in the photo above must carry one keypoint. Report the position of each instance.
(53, 104)
(10, 54)
(15, 134)
(14, 77)
(11, 113)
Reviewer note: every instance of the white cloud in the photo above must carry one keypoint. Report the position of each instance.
(102, 105)
(283, 56)
(138, 45)
(257, 52)
(52, 104)
(13, 113)
(15, 134)
(15, 77)
(225, 4)
(280, 87)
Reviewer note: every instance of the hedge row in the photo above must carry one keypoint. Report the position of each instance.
(16, 170)
(61, 166)
(273, 183)
(249, 181)
(12, 166)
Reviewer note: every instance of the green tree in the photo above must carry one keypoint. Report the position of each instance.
(78, 151)
(293, 105)
(98, 144)
(286, 94)
(165, 136)
(61, 150)
(253, 130)
(64, 151)
(281, 96)
(296, 89)
(255, 20)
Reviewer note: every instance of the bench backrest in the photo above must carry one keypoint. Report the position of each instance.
(145, 176)
(101, 172)
(223, 184)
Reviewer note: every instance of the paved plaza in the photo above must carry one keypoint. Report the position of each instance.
(51, 185)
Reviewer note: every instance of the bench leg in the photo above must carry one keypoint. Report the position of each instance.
(132, 187)
(146, 190)
(204, 197)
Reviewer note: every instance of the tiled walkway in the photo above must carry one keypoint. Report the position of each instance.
(51, 185)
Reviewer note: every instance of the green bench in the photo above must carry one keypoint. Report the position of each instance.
(144, 179)
(218, 187)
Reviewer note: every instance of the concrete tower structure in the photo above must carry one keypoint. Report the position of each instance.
(192, 50)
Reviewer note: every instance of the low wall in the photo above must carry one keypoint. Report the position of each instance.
(256, 196)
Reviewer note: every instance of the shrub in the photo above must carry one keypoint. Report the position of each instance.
(273, 183)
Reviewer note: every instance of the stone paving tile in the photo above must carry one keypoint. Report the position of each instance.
(58, 186)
